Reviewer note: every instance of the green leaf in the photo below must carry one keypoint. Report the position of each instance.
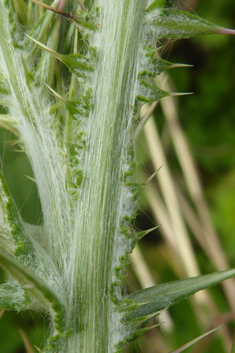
(39, 32)
(28, 75)
(82, 18)
(159, 66)
(156, 4)
(35, 287)
(13, 297)
(74, 62)
(151, 94)
(8, 122)
(6, 227)
(12, 234)
(155, 65)
(179, 24)
(154, 299)
(74, 107)
(20, 10)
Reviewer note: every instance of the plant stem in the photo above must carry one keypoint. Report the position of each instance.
(100, 209)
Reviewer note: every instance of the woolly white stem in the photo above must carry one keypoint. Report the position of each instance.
(87, 249)
(96, 243)
(34, 124)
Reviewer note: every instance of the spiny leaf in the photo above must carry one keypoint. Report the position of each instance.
(180, 24)
(12, 235)
(13, 297)
(149, 92)
(152, 95)
(82, 18)
(34, 285)
(154, 299)
(122, 344)
(7, 121)
(6, 239)
(134, 237)
(73, 106)
(156, 65)
(4, 87)
(74, 62)
(28, 75)
(137, 235)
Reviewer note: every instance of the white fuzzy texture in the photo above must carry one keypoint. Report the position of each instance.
(81, 241)
(6, 240)
(97, 241)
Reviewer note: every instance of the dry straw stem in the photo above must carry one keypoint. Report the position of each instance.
(166, 184)
(27, 344)
(175, 260)
(189, 344)
(208, 239)
(179, 232)
(171, 218)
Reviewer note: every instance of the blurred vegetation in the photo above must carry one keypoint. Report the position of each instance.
(208, 120)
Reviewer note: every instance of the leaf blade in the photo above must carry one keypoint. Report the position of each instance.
(35, 287)
(13, 297)
(177, 24)
(155, 299)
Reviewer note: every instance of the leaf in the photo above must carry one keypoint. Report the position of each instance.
(28, 75)
(156, 4)
(39, 32)
(7, 121)
(155, 65)
(74, 62)
(12, 234)
(180, 24)
(154, 299)
(35, 287)
(81, 17)
(74, 107)
(151, 94)
(13, 297)
(20, 8)
(6, 238)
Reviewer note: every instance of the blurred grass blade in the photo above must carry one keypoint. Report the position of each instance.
(189, 344)
(27, 344)
(154, 299)
(233, 346)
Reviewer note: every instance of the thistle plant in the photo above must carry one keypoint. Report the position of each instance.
(72, 85)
